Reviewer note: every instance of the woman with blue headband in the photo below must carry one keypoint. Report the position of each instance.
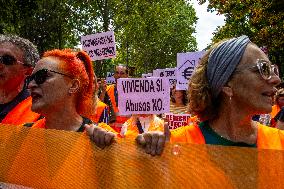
(234, 81)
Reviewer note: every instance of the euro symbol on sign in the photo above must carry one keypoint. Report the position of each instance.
(187, 72)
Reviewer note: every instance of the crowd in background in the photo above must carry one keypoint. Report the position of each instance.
(232, 97)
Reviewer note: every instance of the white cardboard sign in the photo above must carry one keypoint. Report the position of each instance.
(143, 95)
(186, 64)
(109, 78)
(99, 46)
(147, 75)
(177, 120)
(169, 73)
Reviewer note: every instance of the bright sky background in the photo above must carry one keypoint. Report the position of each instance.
(206, 24)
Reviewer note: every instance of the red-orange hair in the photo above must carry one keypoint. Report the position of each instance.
(78, 65)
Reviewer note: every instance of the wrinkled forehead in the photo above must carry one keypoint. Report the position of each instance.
(251, 54)
(50, 63)
(12, 50)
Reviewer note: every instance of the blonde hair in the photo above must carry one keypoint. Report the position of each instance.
(201, 101)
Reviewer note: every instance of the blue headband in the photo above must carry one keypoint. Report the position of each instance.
(222, 62)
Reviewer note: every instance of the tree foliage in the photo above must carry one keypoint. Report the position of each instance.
(48, 24)
(148, 34)
(261, 20)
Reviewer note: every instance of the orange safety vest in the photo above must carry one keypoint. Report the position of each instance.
(99, 110)
(131, 128)
(267, 137)
(110, 92)
(41, 124)
(275, 110)
(192, 119)
(21, 114)
(119, 119)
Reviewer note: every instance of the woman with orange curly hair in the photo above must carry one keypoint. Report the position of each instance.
(62, 86)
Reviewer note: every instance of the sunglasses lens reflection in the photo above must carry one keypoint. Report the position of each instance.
(39, 77)
(265, 68)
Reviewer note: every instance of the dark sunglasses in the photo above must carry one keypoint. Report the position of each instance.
(10, 60)
(41, 75)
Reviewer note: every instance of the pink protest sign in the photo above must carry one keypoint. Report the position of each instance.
(147, 75)
(169, 73)
(177, 120)
(143, 95)
(99, 46)
(186, 64)
(109, 78)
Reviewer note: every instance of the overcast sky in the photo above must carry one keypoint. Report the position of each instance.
(206, 24)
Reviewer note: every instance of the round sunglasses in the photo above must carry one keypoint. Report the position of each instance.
(265, 68)
(41, 75)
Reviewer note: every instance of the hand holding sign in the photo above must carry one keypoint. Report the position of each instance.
(100, 136)
(154, 142)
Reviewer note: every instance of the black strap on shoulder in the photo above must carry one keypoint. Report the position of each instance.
(32, 123)
(85, 121)
(29, 124)
(139, 126)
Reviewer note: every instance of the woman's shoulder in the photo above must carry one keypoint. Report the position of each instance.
(190, 133)
(270, 138)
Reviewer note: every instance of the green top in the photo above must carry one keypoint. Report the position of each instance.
(211, 137)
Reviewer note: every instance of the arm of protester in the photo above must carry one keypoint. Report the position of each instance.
(154, 141)
(103, 87)
(102, 135)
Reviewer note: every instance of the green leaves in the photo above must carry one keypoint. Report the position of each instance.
(261, 20)
(148, 33)
(154, 32)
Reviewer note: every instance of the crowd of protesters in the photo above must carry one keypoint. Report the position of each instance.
(232, 89)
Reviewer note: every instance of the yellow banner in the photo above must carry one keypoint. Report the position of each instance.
(40, 158)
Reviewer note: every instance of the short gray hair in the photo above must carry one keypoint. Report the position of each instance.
(31, 55)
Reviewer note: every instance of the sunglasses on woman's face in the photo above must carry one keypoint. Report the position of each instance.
(41, 76)
(10, 60)
(266, 69)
